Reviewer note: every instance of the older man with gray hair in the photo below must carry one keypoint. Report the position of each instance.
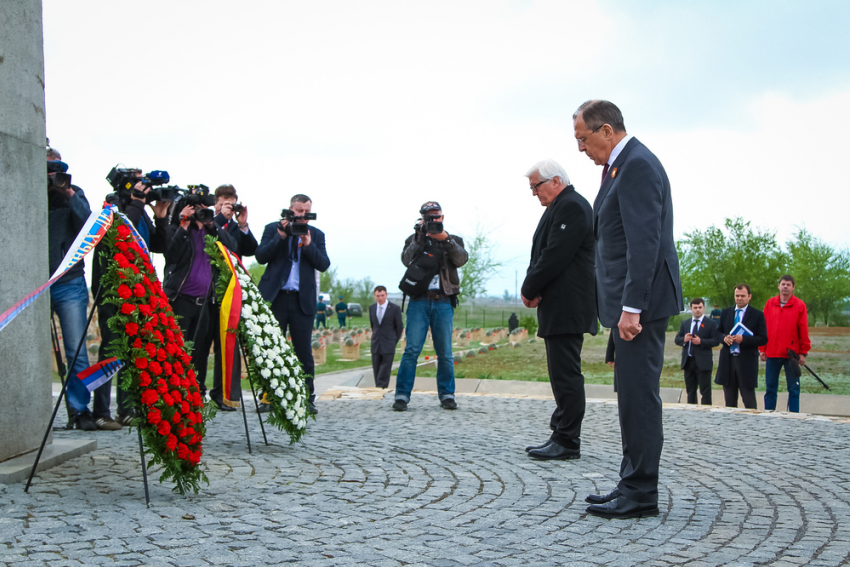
(561, 284)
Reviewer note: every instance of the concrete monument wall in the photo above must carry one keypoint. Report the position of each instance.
(25, 351)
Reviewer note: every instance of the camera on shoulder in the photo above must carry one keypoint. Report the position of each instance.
(124, 180)
(294, 228)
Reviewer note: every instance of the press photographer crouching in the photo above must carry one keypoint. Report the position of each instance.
(432, 257)
(294, 251)
(133, 191)
(189, 280)
(67, 212)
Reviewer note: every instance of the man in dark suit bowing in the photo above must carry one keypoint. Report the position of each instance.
(738, 367)
(697, 336)
(289, 282)
(638, 289)
(385, 319)
(560, 283)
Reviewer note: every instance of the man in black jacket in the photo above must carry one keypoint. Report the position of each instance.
(385, 320)
(561, 284)
(697, 336)
(189, 280)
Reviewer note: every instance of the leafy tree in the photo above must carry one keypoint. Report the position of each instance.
(256, 270)
(714, 261)
(480, 266)
(822, 275)
(507, 297)
(344, 288)
(364, 291)
(327, 279)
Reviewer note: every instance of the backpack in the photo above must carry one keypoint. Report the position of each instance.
(421, 271)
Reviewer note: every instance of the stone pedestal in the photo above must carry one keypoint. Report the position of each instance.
(25, 375)
(320, 355)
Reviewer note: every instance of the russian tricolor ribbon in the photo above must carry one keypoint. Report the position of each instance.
(91, 233)
(98, 374)
(231, 311)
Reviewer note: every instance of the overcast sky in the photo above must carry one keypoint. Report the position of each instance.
(372, 108)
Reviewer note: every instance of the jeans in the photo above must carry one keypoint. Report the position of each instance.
(422, 313)
(70, 300)
(771, 380)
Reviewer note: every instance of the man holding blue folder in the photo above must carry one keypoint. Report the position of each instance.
(743, 330)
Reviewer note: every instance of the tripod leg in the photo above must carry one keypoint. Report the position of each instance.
(62, 393)
(144, 468)
(254, 395)
(245, 419)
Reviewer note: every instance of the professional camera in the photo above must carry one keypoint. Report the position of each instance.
(124, 180)
(203, 216)
(430, 224)
(237, 208)
(294, 228)
(59, 178)
(198, 195)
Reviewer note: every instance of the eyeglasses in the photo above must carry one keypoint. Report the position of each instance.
(594, 131)
(536, 185)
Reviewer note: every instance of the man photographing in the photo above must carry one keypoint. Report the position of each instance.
(294, 251)
(432, 257)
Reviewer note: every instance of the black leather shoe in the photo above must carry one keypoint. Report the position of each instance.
(263, 407)
(536, 447)
(622, 508)
(400, 405)
(600, 499)
(449, 403)
(553, 451)
(221, 406)
(311, 407)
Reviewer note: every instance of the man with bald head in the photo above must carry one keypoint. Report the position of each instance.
(638, 290)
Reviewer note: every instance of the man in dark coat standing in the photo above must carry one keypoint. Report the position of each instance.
(385, 319)
(738, 367)
(289, 282)
(697, 336)
(560, 283)
(638, 290)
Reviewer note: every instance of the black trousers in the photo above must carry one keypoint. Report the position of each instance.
(194, 321)
(213, 337)
(286, 308)
(382, 365)
(730, 390)
(102, 395)
(639, 364)
(563, 357)
(696, 378)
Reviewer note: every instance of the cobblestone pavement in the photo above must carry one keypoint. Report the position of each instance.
(370, 486)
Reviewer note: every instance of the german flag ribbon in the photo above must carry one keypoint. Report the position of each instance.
(231, 311)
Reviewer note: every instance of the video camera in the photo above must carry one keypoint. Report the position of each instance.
(294, 228)
(124, 180)
(198, 195)
(57, 178)
(430, 224)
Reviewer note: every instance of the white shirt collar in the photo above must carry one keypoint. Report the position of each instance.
(618, 148)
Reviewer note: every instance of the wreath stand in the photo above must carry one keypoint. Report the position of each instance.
(256, 403)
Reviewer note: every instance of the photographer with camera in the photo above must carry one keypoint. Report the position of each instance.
(132, 192)
(294, 251)
(432, 257)
(67, 212)
(233, 216)
(189, 278)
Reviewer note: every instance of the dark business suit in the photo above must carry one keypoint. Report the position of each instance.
(385, 337)
(637, 267)
(698, 360)
(295, 309)
(741, 372)
(561, 274)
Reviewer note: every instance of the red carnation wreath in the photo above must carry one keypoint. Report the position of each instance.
(158, 374)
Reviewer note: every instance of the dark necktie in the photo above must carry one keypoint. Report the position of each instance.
(604, 174)
(693, 326)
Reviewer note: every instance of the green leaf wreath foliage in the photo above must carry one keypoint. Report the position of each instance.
(158, 375)
(270, 360)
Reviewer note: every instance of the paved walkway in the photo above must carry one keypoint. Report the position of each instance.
(370, 486)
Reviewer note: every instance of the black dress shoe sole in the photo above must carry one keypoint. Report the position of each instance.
(568, 457)
(615, 516)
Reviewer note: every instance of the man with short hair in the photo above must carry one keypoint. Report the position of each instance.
(787, 322)
(385, 320)
(638, 290)
(697, 335)
(289, 282)
(560, 282)
(738, 367)
(341, 309)
(435, 307)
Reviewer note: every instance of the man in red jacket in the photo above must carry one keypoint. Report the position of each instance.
(787, 328)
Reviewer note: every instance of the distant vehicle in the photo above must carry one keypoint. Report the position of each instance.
(354, 310)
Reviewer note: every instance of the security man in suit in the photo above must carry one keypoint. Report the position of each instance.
(561, 284)
(697, 336)
(289, 282)
(738, 367)
(638, 290)
(385, 319)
